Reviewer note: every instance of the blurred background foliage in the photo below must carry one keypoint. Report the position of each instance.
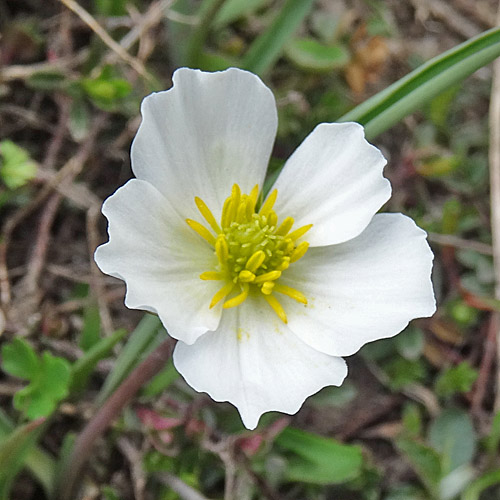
(415, 420)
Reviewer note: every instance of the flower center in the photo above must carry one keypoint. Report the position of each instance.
(252, 249)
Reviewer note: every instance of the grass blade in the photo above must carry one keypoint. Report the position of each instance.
(266, 49)
(403, 97)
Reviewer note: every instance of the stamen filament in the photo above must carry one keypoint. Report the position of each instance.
(291, 292)
(207, 214)
(285, 226)
(239, 299)
(210, 276)
(266, 208)
(299, 251)
(299, 232)
(201, 230)
(223, 292)
(270, 276)
(277, 307)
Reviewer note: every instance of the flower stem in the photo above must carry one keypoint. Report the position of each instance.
(143, 372)
(195, 45)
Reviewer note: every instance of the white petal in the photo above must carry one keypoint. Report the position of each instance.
(209, 131)
(160, 258)
(334, 181)
(255, 362)
(366, 289)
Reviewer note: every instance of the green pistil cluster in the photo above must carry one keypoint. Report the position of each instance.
(252, 249)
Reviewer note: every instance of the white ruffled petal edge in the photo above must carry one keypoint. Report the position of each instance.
(160, 259)
(334, 181)
(209, 131)
(255, 362)
(363, 290)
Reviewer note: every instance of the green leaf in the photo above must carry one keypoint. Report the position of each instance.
(14, 448)
(91, 328)
(319, 460)
(311, 55)
(452, 435)
(47, 387)
(38, 462)
(424, 460)
(493, 440)
(267, 48)
(107, 89)
(84, 367)
(19, 359)
(408, 94)
(473, 492)
(161, 381)
(410, 343)
(403, 372)
(139, 342)
(232, 10)
(16, 167)
(455, 379)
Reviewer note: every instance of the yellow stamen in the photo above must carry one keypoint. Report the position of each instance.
(270, 276)
(239, 299)
(221, 248)
(210, 275)
(299, 232)
(254, 194)
(226, 212)
(299, 251)
(255, 261)
(285, 226)
(291, 292)
(241, 212)
(277, 307)
(202, 231)
(266, 208)
(285, 264)
(207, 214)
(246, 276)
(223, 292)
(267, 287)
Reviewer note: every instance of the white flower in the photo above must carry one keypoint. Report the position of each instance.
(263, 311)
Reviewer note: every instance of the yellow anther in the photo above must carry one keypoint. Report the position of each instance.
(267, 287)
(285, 226)
(202, 231)
(225, 218)
(239, 299)
(246, 276)
(254, 194)
(272, 219)
(285, 264)
(210, 276)
(291, 292)
(223, 292)
(207, 214)
(299, 251)
(241, 212)
(221, 248)
(270, 276)
(268, 205)
(277, 307)
(255, 261)
(236, 194)
(295, 235)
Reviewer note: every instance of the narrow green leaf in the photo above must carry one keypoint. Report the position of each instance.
(83, 368)
(38, 462)
(267, 48)
(319, 460)
(403, 97)
(138, 343)
(425, 461)
(14, 448)
(233, 10)
(311, 55)
(473, 492)
(159, 383)
(91, 327)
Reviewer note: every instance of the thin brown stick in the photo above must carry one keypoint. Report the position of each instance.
(104, 417)
(460, 243)
(494, 159)
(184, 491)
(87, 18)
